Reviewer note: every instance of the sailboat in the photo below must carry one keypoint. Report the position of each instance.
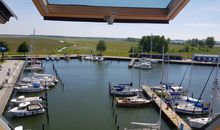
(33, 64)
(123, 90)
(215, 95)
(135, 101)
(169, 89)
(157, 125)
(188, 105)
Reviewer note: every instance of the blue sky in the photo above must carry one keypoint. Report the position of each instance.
(199, 19)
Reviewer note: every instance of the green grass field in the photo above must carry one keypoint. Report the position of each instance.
(115, 47)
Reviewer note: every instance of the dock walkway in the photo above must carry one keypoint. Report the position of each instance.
(169, 113)
(7, 88)
(131, 64)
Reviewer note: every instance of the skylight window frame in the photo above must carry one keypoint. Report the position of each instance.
(88, 13)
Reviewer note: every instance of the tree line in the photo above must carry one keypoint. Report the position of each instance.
(151, 43)
(156, 43)
(203, 45)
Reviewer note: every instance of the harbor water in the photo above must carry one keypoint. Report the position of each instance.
(83, 103)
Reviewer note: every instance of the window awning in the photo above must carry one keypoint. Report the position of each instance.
(5, 13)
(124, 11)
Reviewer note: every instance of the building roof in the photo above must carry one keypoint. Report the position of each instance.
(5, 13)
(124, 11)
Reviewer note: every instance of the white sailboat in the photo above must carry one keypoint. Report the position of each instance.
(27, 109)
(22, 99)
(123, 91)
(215, 96)
(34, 66)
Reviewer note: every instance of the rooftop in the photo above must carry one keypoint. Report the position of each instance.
(5, 13)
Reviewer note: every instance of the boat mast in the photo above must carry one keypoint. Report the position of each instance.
(161, 87)
(132, 56)
(139, 81)
(215, 91)
(32, 45)
(190, 75)
(151, 47)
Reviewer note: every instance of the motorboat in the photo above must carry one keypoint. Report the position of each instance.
(21, 99)
(40, 78)
(27, 109)
(135, 101)
(142, 65)
(34, 87)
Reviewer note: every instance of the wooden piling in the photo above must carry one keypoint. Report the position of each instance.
(116, 117)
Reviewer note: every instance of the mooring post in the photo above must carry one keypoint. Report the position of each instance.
(112, 104)
(113, 112)
(48, 120)
(116, 116)
(118, 127)
(42, 126)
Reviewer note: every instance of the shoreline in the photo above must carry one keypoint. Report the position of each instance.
(118, 58)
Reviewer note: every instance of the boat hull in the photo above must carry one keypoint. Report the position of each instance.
(29, 90)
(29, 113)
(123, 94)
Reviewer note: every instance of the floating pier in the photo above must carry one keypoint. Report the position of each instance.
(131, 64)
(10, 72)
(168, 113)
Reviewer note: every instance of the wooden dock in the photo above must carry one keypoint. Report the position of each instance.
(169, 113)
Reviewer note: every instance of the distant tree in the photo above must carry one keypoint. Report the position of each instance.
(158, 42)
(4, 45)
(145, 43)
(210, 42)
(100, 47)
(23, 48)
